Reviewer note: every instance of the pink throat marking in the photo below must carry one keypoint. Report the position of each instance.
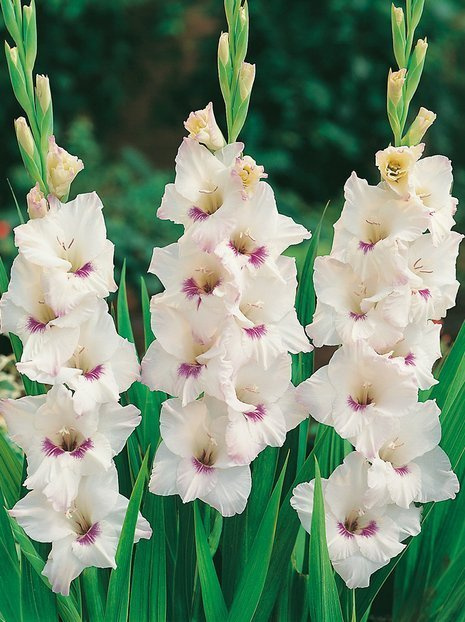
(34, 326)
(409, 359)
(95, 373)
(366, 532)
(200, 467)
(256, 257)
(424, 293)
(258, 414)
(190, 370)
(197, 215)
(343, 531)
(366, 247)
(91, 536)
(53, 451)
(256, 332)
(355, 405)
(85, 270)
(369, 530)
(403, 470)
(357, 316)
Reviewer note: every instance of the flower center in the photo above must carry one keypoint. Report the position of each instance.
(210, 199)
(204, 282)
(67, 440)
(357, 524)
(362, 398)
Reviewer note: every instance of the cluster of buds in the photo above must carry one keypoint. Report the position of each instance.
(225, 323)
(55, 305)
(381, 294)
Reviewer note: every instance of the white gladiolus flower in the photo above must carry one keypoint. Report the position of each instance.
(62, 447)
(361, 539)
(374, 226)
(187, 358)
(410, 466)
(262, 408)
(396, 165)
(85, 535)
(70, 242)
(204, 195)
(48, 327)
(359, 393)
(193, 460)
(433, 279)
(260, 233)
(202, 126)
(62, 168)
(350, 309)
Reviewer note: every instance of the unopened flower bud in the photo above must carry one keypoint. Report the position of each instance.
(12, 53)
(24, 136)
(202, 126)
(246, 79)
(420, 50)
(250, 173)
(62, 168)
(396, 81)
(398, 14)
(243, 15)
(423, 121)
(395, 165)
(37, 205)
(223, 48)
(43, 92)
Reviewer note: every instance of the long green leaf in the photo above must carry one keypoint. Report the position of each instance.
(254, 576)
(117, 606)
(10, 472)
(323, 598)
(93, 594)
(212, 596)
(10, 594)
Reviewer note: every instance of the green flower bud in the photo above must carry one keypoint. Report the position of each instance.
(423, 121)
(246, 80)
(398, 34)
(24, 136)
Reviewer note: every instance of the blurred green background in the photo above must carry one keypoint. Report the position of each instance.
(126, 73)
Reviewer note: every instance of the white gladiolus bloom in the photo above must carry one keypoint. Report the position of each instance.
(204, 195)
(260, 233)
(396, 165)
(410, 466)
(62, 447)
(433, 279)
(70, 243)
(193, 460)
(49, 333)
(262, 408)
(374, 226)
(202, 126)
(361, 539)
(85, 535)
(350, 309)
(250, 173)
(187, 358)
(359, 393)
(432, 183)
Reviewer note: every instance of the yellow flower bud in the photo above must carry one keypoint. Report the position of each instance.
(24, 136)
(423, 121)
(396, 81)
(246, 80)
(223, 48)
(43, 92)
(37, 205)
(395, 165)
(62, 168)
(398, 14)
(202, 126)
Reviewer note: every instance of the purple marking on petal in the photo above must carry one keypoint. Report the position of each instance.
(369, 530)
(234, 248)
(356, 406)
(424, 293)
(403, 470)
(258, 414)
(357, 316)
(343, 531)
(84, 270)
(34, 326)
(91, 536)
(84, 447)
(197, 215)
(50, 449)
(190, 370)
(410, 359)
(190, 288)
(258, 256)
(366, 247)
(256, 332)
(95, 373)
(200, 467)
